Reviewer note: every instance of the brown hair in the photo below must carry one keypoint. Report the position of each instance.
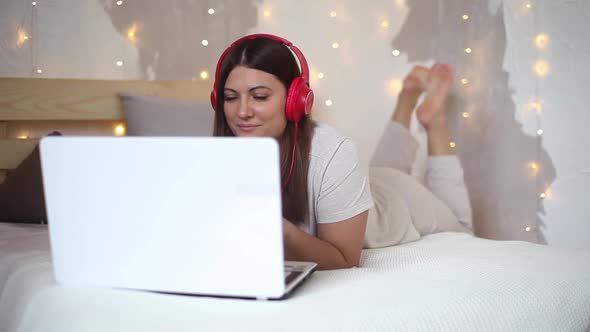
(274, 58)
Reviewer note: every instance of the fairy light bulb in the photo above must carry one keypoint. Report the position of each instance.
(266, 13)
(452, 144)
(119, 129)
(384, 24)
(22, 37)
(335, 45)
(131, 33)
(119, 3)
(204, 75)
(528, 5)
(395, 52)
(119, 63)
(204, 42)
(468, 50)
(320, 75)
(34, 3)
(39, 71)
(465, 17)
(23, 136)
(541, 68)
(542, 195)
(528, 228)
(395, 86)
(333, 14)
(542, 40)
(464, 81)
(466, 115)
(211, 11)
(536, 106)
(540, 132)
(329, 102)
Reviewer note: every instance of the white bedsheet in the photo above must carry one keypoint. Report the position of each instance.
(445, 282)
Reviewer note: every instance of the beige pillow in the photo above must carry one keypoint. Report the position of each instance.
(404, 210)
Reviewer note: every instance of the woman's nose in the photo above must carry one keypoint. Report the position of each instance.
(245, 109)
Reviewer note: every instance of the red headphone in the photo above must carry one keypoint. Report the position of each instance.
(299, 95)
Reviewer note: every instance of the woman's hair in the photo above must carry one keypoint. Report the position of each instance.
(277, 59)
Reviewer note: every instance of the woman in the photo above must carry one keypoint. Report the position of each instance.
(260, 91)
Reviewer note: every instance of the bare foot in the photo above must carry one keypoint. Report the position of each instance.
(414, 84)
(416, 80)
(440, 78)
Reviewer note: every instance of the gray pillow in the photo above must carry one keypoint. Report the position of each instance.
(156, 116)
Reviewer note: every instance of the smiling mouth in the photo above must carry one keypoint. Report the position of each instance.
(247, 127)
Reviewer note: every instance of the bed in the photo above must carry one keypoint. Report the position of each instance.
(444, 281)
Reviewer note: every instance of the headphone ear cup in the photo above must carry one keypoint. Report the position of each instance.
(299, 100)
(214, 99)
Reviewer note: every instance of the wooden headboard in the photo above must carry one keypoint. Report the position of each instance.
(33, 107)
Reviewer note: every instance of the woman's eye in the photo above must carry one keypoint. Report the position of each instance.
(260, 97)
(229, 98)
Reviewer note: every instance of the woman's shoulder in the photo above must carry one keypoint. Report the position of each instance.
(326, 136)
(327, 141)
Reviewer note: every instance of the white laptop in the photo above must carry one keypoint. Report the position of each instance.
(186, 215)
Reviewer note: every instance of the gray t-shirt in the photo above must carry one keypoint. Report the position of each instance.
(338, 186)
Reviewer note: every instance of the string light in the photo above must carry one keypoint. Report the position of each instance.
(204, 75)
(22, 136)
(396, 86)
(384, 24)
(119, 3)
(335, 45)
(119, 63)
(542, 195)
(541, 68)
(528, 228)
(333, 14)
(528, 5)
(119, 130)
(320, 75)
(34, 3)
(466, 115)
(468, 50)
(540, 132)
(452, 144)
(22, 37)
(465, 17)
(464, 81)
(131, 32)
(536, 106)
(329, 102)
(204, 42)
(542, 40)
(395, 52)
(39, 71)
(266, 13)
(211, 11)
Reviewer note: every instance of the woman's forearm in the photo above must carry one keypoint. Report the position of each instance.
(300, 246)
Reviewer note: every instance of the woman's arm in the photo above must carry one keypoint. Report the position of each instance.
(337, 246)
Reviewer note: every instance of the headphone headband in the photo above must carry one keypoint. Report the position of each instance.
(294, 49)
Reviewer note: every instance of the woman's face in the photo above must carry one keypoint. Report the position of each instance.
(254, 103)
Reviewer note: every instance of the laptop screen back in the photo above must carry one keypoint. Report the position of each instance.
(198, 215)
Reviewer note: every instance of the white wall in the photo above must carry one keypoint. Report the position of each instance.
(496, 144)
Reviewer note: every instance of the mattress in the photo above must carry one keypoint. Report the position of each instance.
(445, 282)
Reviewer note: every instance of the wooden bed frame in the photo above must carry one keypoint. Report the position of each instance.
(33, 107)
